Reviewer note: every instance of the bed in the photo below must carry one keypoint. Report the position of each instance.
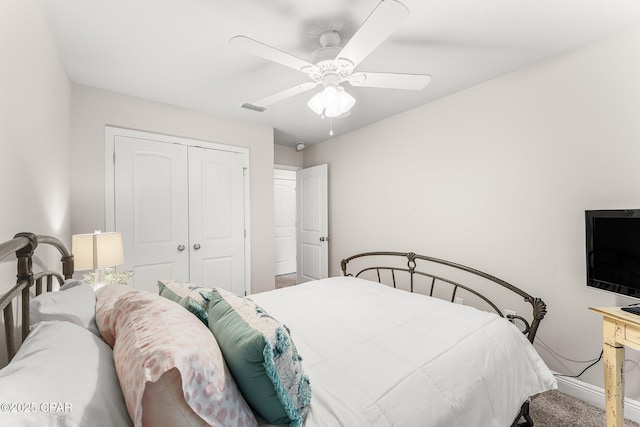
(400, 339)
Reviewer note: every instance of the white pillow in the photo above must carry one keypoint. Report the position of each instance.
(75, 302)
(66, 377)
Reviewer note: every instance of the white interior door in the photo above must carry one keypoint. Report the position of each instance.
(216, 210)
(151, 210)
(313, 224)
(284, 189)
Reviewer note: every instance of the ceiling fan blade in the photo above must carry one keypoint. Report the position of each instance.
(384, 19)
(270, 53)
(264, 103)
(390, 80)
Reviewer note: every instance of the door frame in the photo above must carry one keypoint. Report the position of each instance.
(110, 133)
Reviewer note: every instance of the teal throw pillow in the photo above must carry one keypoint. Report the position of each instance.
(192, 297)
(261, 357)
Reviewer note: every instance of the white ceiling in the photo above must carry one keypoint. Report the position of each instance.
(177, 51)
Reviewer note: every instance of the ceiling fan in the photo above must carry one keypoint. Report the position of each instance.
(332, 65)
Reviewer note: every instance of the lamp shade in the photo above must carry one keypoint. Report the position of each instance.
(97, 250)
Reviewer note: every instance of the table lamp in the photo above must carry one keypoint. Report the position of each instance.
(97, 251)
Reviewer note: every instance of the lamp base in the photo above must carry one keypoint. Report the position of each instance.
(100, 278)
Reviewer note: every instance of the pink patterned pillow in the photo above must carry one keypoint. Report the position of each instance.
(154, 335)
(106, 298)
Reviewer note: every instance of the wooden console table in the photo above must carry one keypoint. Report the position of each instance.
(619, 329)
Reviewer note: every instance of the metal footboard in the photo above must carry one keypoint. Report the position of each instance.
(425, 267)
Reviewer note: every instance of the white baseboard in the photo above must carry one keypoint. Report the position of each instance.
(595, 396)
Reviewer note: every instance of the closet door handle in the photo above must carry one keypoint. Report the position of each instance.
(180, 248)
(196, 246)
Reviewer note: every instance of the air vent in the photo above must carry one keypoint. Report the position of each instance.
(253, 107)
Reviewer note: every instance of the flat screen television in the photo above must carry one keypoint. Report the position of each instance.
(613, 250)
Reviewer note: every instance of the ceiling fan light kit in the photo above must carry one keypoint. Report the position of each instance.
(332, 102)
(331, 65)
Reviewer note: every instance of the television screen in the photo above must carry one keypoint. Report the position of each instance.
(613, 251)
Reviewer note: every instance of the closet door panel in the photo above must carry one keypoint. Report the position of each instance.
(216, 207)
(219, 271)
(151, 210)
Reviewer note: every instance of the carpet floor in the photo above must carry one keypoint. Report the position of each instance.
(556, 409)
(285, 280)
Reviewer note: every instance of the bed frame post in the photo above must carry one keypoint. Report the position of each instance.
(539, 311)
(8, 331)
(67, 266)
(343, 267)
(411, 265)
(25, 273)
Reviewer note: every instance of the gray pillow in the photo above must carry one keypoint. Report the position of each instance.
(62, 376)
(75, 302)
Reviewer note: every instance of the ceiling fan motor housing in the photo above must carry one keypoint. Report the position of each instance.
(324, 55)
(325, 59)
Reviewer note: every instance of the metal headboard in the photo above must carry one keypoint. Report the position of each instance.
(529, 325)
(23, 246)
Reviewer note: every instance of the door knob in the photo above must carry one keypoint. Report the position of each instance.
(180, 248)
(324, 239)
(196, 246)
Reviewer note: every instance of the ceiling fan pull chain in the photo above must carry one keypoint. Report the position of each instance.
(331, 129)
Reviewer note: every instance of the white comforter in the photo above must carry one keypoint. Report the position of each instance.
(383, 357)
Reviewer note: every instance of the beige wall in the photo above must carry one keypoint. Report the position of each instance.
(34, 133)
(498, 177)
(34, 125)
(93, 109)
(287, 156)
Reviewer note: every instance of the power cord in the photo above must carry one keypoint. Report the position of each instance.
(538, 339)
(584, 370)
(591, 362)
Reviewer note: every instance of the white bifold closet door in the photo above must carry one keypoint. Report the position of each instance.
(180, 210)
